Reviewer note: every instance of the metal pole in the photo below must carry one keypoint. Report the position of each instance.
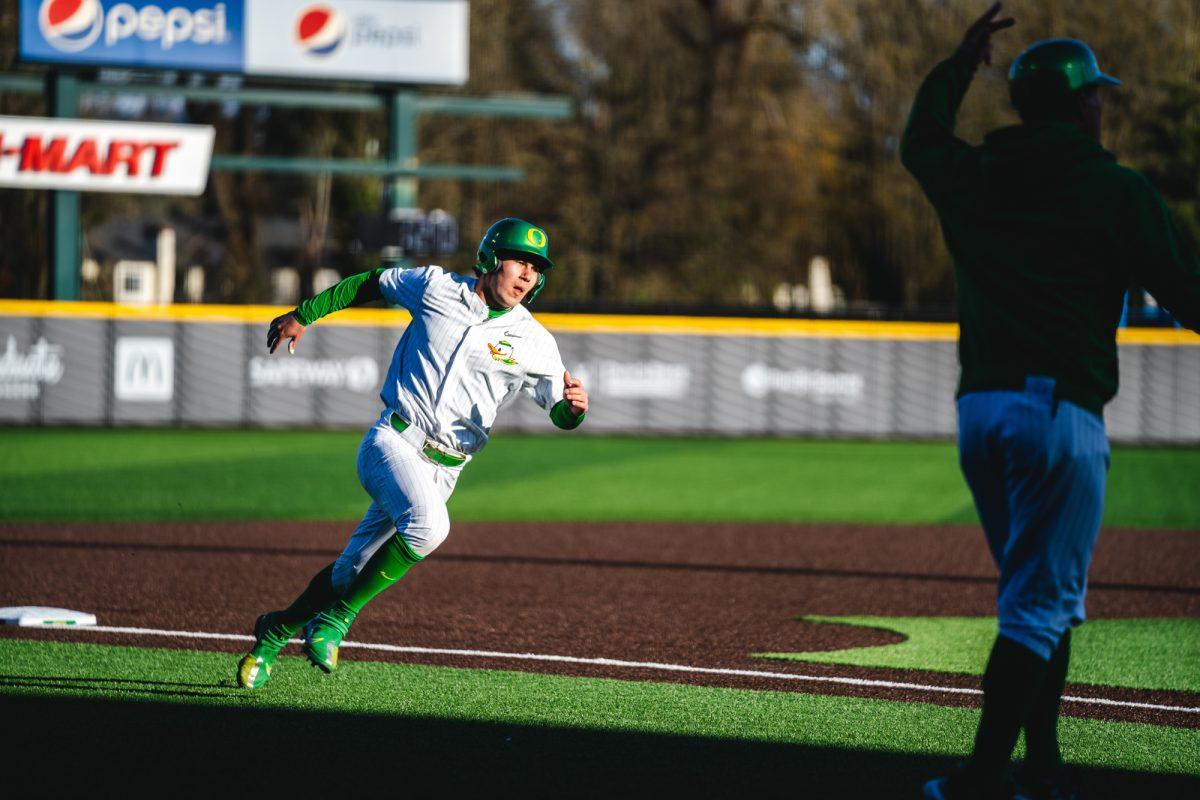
(378, 168)
(402, 151)
(65, 252)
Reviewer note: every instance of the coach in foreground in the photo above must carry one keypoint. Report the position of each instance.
(1046, 231)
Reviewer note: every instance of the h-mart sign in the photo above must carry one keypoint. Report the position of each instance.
(90, 156)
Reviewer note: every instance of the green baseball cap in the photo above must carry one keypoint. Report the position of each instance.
(1054, 67)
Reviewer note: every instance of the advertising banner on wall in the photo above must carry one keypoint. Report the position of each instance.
(144, 368)
(403, 42)
(173, 34)
(92, 156)
(102, 364)
(382, 41)
(24, 370)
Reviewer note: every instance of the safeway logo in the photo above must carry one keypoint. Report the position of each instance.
(320, 30)
(71, 25)
(358, 374)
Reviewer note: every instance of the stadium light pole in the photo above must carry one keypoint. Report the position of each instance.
(62, 89)
(402, 152)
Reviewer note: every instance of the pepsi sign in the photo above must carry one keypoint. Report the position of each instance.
(399, 41)
(175, 34)
(382, 41)
(320, 30)
(71, 26)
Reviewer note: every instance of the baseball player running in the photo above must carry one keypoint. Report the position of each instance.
(471, 346)
(1046, 231)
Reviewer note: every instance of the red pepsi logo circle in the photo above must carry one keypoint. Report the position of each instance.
(320, 30)
(70, 25)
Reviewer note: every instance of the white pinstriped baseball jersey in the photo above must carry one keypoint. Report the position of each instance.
(453, 367)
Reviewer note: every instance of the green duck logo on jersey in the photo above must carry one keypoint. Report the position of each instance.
(502, 352)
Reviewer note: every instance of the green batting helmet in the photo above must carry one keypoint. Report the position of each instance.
(1052, 69)
(515, 237)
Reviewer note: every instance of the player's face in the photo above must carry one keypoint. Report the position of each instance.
(514, 279)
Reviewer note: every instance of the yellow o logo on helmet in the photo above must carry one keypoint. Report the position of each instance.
(535, 237)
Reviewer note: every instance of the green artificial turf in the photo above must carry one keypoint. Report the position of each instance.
(205, 679)
(138, 474)
(1137, 653)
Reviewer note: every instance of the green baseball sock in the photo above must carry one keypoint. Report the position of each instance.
(319, 594)
(388, 565)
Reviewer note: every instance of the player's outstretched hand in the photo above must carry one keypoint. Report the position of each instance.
(977, 41)
(284, 327)
(575, 394)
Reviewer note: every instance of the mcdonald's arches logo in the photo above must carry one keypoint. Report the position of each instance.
(144, 369)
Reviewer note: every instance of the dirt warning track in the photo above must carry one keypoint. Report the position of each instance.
(704, 595)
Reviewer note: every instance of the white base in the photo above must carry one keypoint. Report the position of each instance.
(39, 616)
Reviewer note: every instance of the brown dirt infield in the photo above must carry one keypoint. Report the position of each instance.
(705, 595)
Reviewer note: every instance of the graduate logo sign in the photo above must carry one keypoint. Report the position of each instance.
(25, 370)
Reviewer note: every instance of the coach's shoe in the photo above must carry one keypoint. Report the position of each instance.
(937, 789)
(1057, 784)
(960, 785)
(324, 633)
(269, 638)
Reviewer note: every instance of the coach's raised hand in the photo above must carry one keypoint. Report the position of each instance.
(575, 395)
(284, 327)
(977, 41)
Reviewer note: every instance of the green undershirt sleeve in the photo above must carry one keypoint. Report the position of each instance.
(562, 417)
(1164, 263)
(929, 149)
(354, 290)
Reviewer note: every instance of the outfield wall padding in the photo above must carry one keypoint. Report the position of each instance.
(100, 364)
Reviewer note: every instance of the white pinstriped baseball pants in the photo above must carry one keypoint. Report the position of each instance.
(408, 494)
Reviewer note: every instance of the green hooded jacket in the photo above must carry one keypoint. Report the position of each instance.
(1047, 232)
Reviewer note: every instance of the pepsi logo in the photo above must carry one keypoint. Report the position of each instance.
(320, 30)
(71, 25)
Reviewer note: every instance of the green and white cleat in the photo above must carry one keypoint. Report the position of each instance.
(323, 636)
(254, 669)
